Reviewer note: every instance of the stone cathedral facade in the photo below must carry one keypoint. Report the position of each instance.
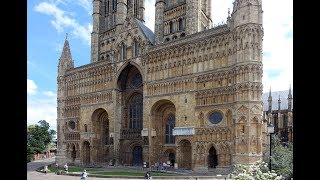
(187, 93)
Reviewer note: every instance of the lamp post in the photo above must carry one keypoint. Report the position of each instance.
(270, 132)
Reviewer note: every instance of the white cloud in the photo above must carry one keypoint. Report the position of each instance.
(62, 20)
(49, 93)
(219, 10)
(277, 45)
(31, 87)
(42, 108)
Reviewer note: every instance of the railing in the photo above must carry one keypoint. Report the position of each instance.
(130, 134)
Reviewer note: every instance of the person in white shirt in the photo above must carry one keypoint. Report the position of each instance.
(84, 175)
(65, 167)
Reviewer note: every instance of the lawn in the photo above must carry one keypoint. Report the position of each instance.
(130, 173)
(100, 172)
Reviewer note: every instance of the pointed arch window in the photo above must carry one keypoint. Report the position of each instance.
(135, 10)
(136, 112)
(136, 48)
(123, 52)
(180, 24)
(170, 27)
(169, 127)
(114, 5)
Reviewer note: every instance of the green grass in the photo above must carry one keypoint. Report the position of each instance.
(101, 172)
(130, 173)
(72, 169)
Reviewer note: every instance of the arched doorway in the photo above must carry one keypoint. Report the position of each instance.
(130, 110)
(137, 156)
(186, 155)
(212, 158)
(163, 114)
(172, 158)
(100, 126)
(86, 153)
(73, 153)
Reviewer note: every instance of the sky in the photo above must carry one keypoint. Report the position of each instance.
(48, 22)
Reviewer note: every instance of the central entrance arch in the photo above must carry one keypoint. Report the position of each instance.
(212, 158)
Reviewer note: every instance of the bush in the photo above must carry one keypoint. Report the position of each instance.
(257, 171)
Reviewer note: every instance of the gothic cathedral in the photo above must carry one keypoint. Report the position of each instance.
(187, 93)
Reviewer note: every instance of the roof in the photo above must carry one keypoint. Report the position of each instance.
(275, 98)
(146, 31)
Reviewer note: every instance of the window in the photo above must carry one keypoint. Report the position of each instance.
(72, 125)
(215, 117)
(107, 8)
(124, 52)
(171, 27)
(285, 121)
(136, 48)
(136, 80)
(180, 24)
(136, 112)
(169, 127)
(135, 10)
(114, 5)
(85, 128)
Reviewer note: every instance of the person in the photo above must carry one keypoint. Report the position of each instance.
(65, 167)
(57, 168)
(148, 175)
(45, 169)
(84, 175)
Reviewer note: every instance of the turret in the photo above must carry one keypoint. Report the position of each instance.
(65, 60)
(270, 102)
(289, 100)
(158, 27)
(95, 31)
(246, 12)
(136, 9)
(180, 18)
(121, 11)
(279, 103)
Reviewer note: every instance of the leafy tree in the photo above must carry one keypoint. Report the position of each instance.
(257, 171)
(281, 157)
(38, 138)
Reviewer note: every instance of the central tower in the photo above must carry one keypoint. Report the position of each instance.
(108, 15)
(178, 18)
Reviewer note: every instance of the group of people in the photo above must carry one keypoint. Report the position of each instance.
(84, 174)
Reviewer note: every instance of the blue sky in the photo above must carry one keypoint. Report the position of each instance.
(48, 21)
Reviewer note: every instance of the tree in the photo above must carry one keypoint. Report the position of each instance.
(38, 138)
(282, 157)
(257, 171)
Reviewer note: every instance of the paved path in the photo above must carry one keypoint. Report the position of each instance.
(32, 174)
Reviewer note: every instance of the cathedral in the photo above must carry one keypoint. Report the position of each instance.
(188, 94)
(278, 111)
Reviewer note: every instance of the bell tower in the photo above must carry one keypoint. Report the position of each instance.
(178, 18)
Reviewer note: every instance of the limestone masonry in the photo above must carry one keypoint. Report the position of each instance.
(189, 94)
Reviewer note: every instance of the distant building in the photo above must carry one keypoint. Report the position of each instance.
(278, 109)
